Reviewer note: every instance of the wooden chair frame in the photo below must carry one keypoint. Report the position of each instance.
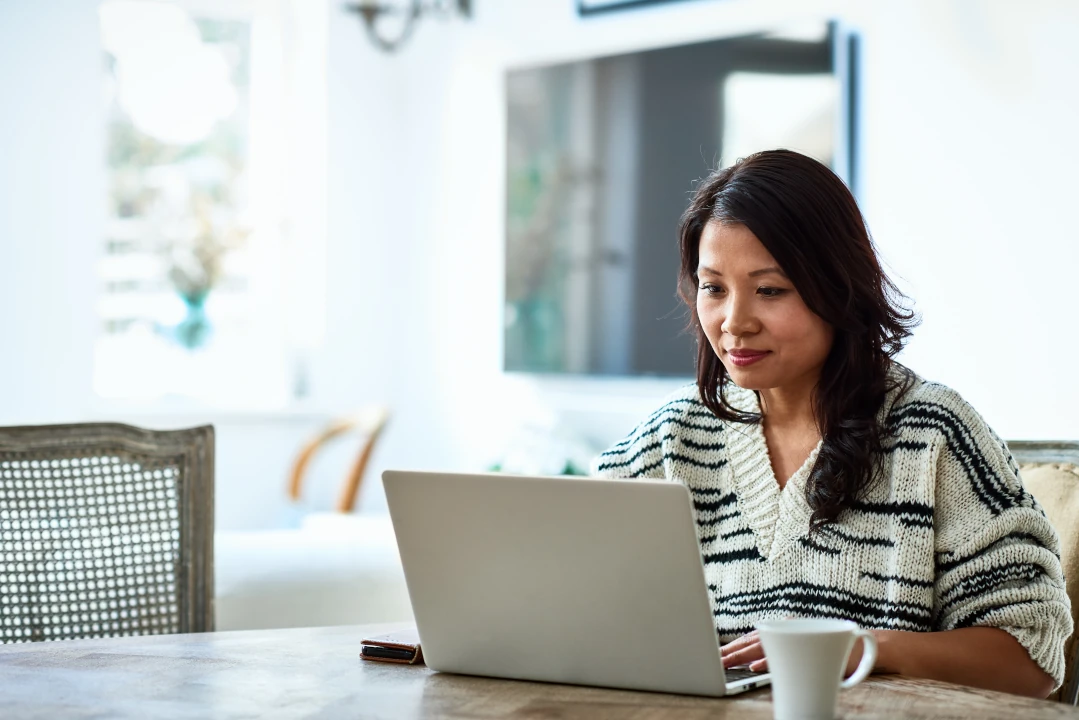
(369, 422)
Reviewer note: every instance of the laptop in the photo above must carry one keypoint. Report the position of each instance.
(583, 581)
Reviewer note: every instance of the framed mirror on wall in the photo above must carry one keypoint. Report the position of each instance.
(594, 7)
(601, 157)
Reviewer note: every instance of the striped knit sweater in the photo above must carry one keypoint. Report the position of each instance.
(950, 539)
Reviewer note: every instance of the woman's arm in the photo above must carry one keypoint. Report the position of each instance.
(981, 657)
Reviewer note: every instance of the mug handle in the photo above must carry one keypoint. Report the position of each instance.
(869, 659)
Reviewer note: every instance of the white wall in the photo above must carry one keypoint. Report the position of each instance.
(52, 205)
(971, 199)
(969, 149)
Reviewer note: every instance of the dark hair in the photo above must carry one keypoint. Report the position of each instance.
(810, 223)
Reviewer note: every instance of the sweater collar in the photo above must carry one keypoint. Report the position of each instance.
(776, 516)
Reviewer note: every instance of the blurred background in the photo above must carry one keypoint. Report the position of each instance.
(269, 214)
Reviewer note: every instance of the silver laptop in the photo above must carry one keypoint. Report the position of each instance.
(566, 580)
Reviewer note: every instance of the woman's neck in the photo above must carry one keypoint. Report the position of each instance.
(790, 429)
(789, 406)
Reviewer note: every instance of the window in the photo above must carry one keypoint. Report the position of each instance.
(204, 275)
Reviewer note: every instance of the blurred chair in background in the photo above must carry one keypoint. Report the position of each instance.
(369, 423)
(1050, 472)
(336, 568)
(105, 530)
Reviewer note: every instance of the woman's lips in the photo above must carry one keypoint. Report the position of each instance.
(743, 358)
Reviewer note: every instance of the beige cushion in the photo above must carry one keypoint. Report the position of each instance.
(1056, 488)
(335, 569)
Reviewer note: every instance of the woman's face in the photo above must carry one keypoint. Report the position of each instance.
(755, 320)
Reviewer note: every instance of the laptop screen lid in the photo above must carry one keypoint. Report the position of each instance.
(571, 580)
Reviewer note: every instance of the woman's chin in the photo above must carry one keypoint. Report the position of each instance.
(748, 378)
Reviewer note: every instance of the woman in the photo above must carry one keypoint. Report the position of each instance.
(827, 480)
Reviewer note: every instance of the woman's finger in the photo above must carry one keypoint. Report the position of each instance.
(744, 655)
(744, 641)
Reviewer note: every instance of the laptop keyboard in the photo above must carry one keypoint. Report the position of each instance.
(735, 674)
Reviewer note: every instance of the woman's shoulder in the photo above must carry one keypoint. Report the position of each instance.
(914, 396)
(641, 454)
(682, 407)
(938, 415)
(680, 411)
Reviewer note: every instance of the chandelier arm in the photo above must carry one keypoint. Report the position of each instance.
(370, 12)
(393, 44)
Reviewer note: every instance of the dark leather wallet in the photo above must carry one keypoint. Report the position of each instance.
(399, 646)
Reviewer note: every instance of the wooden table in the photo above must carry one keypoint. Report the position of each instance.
(316, 672)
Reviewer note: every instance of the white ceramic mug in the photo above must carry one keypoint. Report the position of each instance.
(806, 659)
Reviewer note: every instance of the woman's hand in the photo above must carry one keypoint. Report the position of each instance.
(747, 650)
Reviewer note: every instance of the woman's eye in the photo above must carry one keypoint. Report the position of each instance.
(711, 289)
(771, 292)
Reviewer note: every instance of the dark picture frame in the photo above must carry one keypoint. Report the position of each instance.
(597, 172)
(587, 8)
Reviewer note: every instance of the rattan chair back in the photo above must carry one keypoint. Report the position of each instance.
(105, 530)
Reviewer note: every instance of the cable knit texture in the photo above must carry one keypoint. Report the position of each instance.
(948, 539)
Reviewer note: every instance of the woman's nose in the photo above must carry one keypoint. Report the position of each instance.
(739, 319)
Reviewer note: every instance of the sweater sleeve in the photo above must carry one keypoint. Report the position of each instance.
(997, 556)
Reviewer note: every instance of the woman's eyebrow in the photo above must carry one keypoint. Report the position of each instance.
(768, 270)
(772, 270)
